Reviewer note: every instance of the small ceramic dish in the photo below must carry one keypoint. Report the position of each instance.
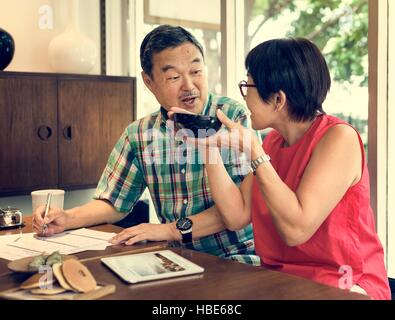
(202, 126)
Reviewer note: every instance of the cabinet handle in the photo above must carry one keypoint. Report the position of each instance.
(44, 132)
(67, 133)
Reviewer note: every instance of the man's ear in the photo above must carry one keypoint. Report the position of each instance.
(147, 80)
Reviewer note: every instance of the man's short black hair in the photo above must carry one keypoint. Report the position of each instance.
(161, 38)
(295, 66)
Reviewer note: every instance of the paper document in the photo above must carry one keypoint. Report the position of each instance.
(11, 253)
(29, 244)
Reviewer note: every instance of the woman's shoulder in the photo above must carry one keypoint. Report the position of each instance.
(336, 128)
(341, 139)
(327, 121)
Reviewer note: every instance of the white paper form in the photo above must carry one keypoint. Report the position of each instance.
(89, 233)
(28, 244)
(12, 253)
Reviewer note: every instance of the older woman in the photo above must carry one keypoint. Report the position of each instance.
(308, 194)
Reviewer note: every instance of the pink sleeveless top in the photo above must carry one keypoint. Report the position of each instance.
(345, 250)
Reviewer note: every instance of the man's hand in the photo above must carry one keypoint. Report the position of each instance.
(55, 221)
(146, 231)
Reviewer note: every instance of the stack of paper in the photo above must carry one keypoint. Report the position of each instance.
(13, 247)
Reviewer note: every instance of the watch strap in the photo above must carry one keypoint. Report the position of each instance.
(187, 237)
(258, 161)
(185, 230)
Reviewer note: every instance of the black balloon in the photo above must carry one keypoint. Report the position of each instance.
(7, 48)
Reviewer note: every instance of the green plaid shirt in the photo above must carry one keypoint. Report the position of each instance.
(148, 155)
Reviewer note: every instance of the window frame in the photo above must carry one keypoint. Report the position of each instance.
(378, 137)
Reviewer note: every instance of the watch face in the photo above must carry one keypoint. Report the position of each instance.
(184, 224)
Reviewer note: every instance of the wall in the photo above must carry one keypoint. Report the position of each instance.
(71, 199)
(22, 19)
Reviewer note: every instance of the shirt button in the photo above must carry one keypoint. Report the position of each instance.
(185, 201)
(183, 171)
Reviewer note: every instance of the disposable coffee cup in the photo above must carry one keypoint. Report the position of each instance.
(39, 198)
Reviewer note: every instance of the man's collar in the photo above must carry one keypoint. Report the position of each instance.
(163, 113)
(207, 106)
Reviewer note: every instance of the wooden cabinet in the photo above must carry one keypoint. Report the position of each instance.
(58, 130)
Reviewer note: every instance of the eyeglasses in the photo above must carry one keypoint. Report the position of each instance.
(243, 86)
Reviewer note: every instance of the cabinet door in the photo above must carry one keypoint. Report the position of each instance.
(92, 117)
(28, 134)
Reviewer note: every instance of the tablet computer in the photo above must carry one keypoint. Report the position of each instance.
(147, 266)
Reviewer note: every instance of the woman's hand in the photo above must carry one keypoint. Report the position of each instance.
(236, 137)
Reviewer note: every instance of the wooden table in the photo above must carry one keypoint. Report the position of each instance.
(222, 279)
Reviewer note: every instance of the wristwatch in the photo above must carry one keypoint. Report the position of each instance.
(258, 161)
(184, 225)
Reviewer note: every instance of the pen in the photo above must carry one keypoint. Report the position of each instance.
(48, 203)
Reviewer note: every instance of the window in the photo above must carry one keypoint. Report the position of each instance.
(339, 29)
(391, 140)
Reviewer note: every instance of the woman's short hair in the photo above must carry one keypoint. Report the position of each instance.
(161, 38)
(295, 66)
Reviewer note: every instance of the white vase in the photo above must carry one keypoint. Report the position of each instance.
(72, 51)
